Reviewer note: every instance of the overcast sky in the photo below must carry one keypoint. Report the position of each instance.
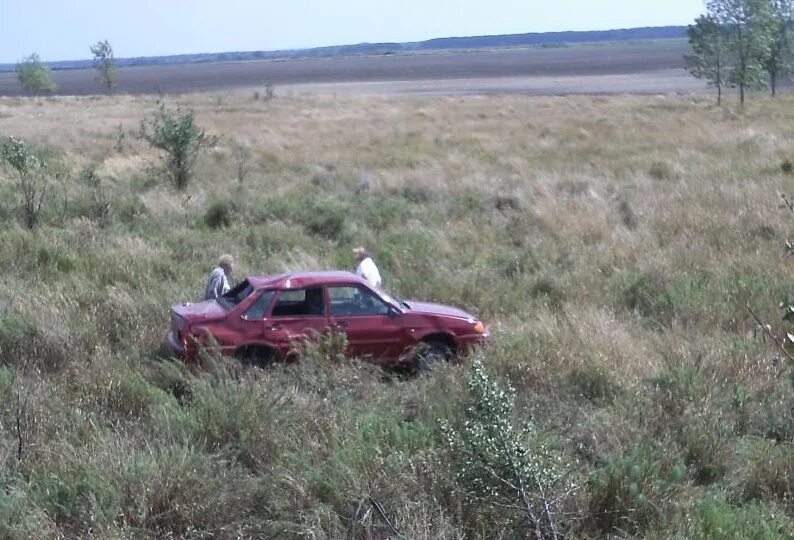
(64, 29)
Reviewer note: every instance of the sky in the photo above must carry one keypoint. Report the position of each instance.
(65, 29)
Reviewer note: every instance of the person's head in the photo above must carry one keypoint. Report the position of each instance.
(226, 262)
(360, 253)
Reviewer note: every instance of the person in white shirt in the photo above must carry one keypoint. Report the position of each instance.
(218, 283)
(366, 267)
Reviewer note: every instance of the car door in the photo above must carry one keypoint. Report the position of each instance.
(297, 314)
(369, 322)
(253, 319)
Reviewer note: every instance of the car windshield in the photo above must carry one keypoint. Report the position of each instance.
(390, 299)
(236, 295)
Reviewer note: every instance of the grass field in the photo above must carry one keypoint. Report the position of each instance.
(611, 243)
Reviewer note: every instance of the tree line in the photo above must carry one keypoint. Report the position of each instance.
(744, 44)
(36, 78)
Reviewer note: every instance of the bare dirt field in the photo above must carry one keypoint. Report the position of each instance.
(632, 67)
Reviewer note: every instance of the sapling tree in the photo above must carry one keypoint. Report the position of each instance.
(105, 64)
(710, 55)
(182, 141)
(749, 27)
(778, 59)
(501, 464)
(33, 177)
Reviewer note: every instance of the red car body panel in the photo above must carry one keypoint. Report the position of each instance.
(274, 312)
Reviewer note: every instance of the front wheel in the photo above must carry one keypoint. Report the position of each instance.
(260, 357)
(431, 354)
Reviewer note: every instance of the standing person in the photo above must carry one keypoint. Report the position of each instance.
(218, 284)
(366, 267)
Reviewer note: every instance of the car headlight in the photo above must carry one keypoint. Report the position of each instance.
(479, 327)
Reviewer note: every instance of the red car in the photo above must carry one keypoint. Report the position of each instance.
(260, 320)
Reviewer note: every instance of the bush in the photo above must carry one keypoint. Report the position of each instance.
(648, 296)
(34, 76)
(176, 134)
(99, 205)
(324, 220)
(593, 382)
(631, 492)
(33, 177)
(661, 170)
(716, 519)
(218, 215)
(497, 463)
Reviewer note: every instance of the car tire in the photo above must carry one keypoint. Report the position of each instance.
(430, 354)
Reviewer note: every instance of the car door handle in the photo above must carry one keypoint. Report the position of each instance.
(339, 325)
(274, 327)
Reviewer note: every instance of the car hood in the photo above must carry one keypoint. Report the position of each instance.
(207, 310)
(428, 308)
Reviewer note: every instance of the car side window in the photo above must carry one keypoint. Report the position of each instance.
(258, 309)
(351, 300)
(300, 303)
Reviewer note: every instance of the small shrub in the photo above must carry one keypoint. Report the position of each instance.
(218, 215)
(661, 170)
(270, 92)
(547, 290)
(593, 382)
(324, 220)
(417, 194)
(497, 463)
(769, 474)
(715, 518)
(787, 167)
(14, 333)
(627, 215)
(630, 492)
(648, 296)
(508, 203)
(100, 203)
(706, 449)
(76, 494)
(131, 208)
(182, 141)
(33, 177)
(517, 263)
(34, 76)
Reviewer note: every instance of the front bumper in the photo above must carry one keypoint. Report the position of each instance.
(177, 346)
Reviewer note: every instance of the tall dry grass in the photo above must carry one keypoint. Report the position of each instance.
(611, 243)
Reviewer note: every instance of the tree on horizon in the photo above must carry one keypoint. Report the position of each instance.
(34, 76)
(105, 64)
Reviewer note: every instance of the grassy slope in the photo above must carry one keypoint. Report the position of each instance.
(611, 243)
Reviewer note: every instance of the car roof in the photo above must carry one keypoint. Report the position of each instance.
(300, 280)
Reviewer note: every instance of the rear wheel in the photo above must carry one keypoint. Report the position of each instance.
(430, 354)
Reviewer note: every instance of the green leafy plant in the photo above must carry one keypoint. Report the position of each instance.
(34, 76)
(182, 141)
(105, 64)
(218, 215)
(498, 463)
(32, 175)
